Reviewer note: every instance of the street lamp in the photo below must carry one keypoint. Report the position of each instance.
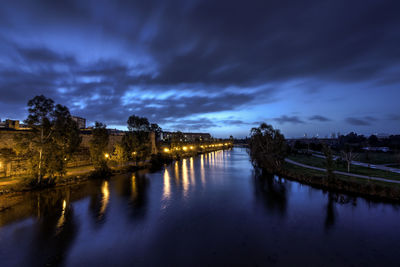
(106, 155)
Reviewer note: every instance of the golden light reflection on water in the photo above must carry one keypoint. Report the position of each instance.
(176, 172)
(134, 191)
(185, 179)
(203, 178)
(61, 220)
(105, 191)
(167, 186)
(192, 175)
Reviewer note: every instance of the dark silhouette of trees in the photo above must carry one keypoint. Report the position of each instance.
(267, 148)
(53, 138)
(329, 163)
(98, 147)
(136, 142)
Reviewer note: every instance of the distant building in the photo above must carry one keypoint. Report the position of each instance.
(12, 124)
(188, 137)
(81, 122)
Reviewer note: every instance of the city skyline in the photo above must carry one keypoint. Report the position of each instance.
(311, 67)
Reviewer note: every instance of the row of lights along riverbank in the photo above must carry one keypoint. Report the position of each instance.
(186, 148)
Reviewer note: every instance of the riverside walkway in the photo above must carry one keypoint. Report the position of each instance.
(344, 173)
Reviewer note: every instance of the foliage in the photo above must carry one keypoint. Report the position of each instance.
(53, 138)
(136, 123)
(119, 154)
(136, 142)
(156, 129)
(267, 148)
(329, 162)
(98, 147)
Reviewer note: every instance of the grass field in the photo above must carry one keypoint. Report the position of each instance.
(318, 174)
(320, 163)
(378, 158)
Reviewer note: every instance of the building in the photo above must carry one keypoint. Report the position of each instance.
(188, 137)
(81, 122)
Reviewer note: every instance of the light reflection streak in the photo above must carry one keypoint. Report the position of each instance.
(106, 196)
(176, 172)
(133, 187)
(203, 180)
(61, 220)
(167, 188)
(185, 180)
(192, 175)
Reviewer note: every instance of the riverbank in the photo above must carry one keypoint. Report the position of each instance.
(11, 192)
(376, 190)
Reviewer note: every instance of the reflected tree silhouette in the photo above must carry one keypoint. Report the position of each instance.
(56, 229)
(99, 198)
(331, 213)
(271, 192)
(139, 194)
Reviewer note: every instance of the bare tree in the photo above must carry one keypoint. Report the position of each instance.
(348, 156)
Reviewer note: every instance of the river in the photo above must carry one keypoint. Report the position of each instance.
(207, 210)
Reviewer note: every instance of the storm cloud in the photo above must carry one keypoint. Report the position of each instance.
(185, 62)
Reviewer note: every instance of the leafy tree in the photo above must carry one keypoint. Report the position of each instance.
(98, 147)
(119, 155)
(329, 163)
(136, 123)
(373, 140)
(136, 142)
(156, 129)
(267, 148)
(53, 137)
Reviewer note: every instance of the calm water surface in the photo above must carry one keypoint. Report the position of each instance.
(207, 210)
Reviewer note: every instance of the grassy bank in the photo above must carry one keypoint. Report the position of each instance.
(346, 184)
(320, 163)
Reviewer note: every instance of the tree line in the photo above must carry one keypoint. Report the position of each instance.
(54, 137)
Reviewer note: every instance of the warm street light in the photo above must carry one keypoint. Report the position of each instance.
(184, 148)
(106, 155)
(166, 150)
(191, 147)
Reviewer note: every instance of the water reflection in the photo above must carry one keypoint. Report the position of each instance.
(99, 199)
(271, 192)
(331, 211)
(167, 186)
(202, 171)
(185, 179)
(192, 175)
(119, 222)
(139, 186)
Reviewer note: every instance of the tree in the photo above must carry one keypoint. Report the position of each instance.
(373, 140)
(136, 142)
(156, 129)
(98, 147)
(348, 156)
(329, 163)
(119, 155)
(53, 137)
(267, 148)
(136, 123)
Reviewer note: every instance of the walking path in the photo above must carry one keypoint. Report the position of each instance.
(343, 173)
(367, 165)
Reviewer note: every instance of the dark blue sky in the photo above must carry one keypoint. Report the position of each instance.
(218, 66)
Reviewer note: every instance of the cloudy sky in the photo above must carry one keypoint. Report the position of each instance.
(312, 67)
